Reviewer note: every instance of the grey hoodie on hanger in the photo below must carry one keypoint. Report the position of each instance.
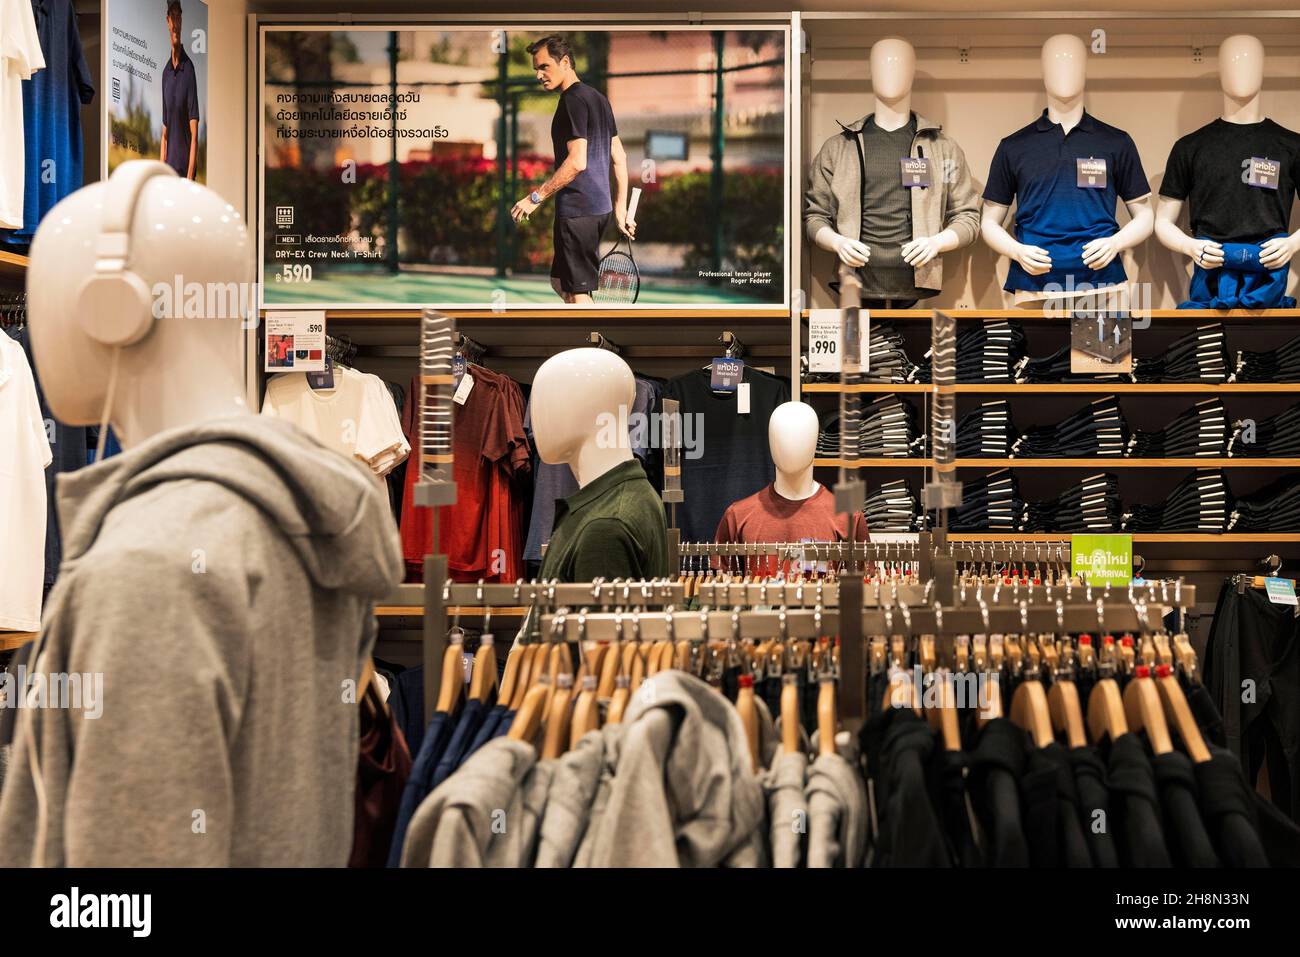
(568, 804)
(221, 580)
(683, 793)
(837, 813)
(455, 825)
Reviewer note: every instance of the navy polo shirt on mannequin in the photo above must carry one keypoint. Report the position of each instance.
(1038, 168)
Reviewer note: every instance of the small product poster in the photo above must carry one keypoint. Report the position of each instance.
(295, 341)
(826, 340)
(1101, 343)
(156, 84)
(1102, 559)
(406, 164)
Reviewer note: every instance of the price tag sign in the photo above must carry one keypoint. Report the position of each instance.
(1281, 591)
(294, 341)
(826, 339)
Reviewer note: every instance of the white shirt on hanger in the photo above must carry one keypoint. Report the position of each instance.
(357, 417)
(20, 57)
(24, 455)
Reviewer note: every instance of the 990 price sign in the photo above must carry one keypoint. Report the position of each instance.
(826, 339)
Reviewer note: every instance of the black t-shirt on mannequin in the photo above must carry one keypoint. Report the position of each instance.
(1206, 166)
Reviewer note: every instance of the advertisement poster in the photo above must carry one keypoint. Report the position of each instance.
(156, 84)
(398, 166)
(1102, 559)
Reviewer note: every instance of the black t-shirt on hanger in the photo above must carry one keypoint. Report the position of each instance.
(1206, 166)
(732, 459)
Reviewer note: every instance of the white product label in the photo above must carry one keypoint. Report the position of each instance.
(826, 339)
(463, 390)
(742, 398)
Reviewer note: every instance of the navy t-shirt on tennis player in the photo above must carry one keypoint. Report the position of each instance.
(180, 104)
(1065, 186)
(584, 114)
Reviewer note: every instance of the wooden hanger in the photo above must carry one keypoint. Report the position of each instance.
(1179, 714)
(790, 713)
(556, 740)
(1063, 698)
(1106, 711)
(483, 678)
(453, 675)
(1143, 711)
(526, 678)
(510, 676)
(618, 702)
(609, 670)
(748, 716)
(1029, 710)
(827, 715)
(586, 713)
(528, 718)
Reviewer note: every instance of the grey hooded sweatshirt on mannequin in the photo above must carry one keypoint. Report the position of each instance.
(221, 579)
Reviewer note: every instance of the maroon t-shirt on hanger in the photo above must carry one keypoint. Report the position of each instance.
(767, 516)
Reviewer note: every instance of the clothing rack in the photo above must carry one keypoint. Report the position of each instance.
(13, 309)
(471, 350)
(599, 340)
(340, 349)
(735, 349)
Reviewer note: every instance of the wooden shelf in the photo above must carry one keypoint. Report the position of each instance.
(1101, 388)
(1103, 462)
(11, 640)
(574, 315)
(1153, 537)
(1032, 314)
(877, 463)
(12, 266)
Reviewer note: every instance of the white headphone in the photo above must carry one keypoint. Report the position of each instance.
(114, 304)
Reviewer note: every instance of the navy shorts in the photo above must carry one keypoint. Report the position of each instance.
(576, 263)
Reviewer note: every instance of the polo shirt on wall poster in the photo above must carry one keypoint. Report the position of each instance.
(1065, 186)
(1209, 167)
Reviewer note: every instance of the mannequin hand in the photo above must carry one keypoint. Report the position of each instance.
(1278, 252)
(522, 209)
(918, 252)
(1099, 253)
(1206, 254)
(851, 251)
(625, 226)
(1033, 259)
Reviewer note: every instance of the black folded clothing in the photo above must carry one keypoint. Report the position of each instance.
(1274, 508)
(1098, 429)
(885, 427)
(1093, 505)
(991, 503)
(1200, 431)
(1201, 502)
(987, 432)
(1055, 368)
(1275, 437)
(1199, 356)
(986, 352)
(887, 359)
(1275, 365)
(893, 507)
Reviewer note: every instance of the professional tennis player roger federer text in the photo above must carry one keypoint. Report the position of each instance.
(77, 910)
(738, 278)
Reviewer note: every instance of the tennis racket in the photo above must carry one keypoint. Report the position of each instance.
(620, 280)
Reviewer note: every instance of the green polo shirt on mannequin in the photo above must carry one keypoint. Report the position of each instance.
(612, 528)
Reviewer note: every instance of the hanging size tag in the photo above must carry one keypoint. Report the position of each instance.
(322, 380)
(1262, 172)
(916, 172)
(1281, 591)
(1091, 172)
(725, 374)
(742, 399)
(463, 390)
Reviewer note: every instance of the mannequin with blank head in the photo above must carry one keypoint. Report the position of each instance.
(1216, 154)
(795, 507)
(613, 526)
(1064, 65)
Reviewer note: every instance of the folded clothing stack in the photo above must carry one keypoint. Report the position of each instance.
(1098, 429)
(1274, 508)
(1200, 431)
(1275, 437)
(1275, 365)
(988, 432)
(989, 504)
(893, 507)
(887, 427)
(1199, 503)
(1200, 356)
(986, 352)
(1093, 505)
(1055, 368)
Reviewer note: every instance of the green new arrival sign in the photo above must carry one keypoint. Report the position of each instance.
(1102, 559)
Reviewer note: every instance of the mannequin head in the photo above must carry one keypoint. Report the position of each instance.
(580, 403)
(893, 68)
(792, 437)
(1065, 66)
(1241, 66)
(179, 358)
